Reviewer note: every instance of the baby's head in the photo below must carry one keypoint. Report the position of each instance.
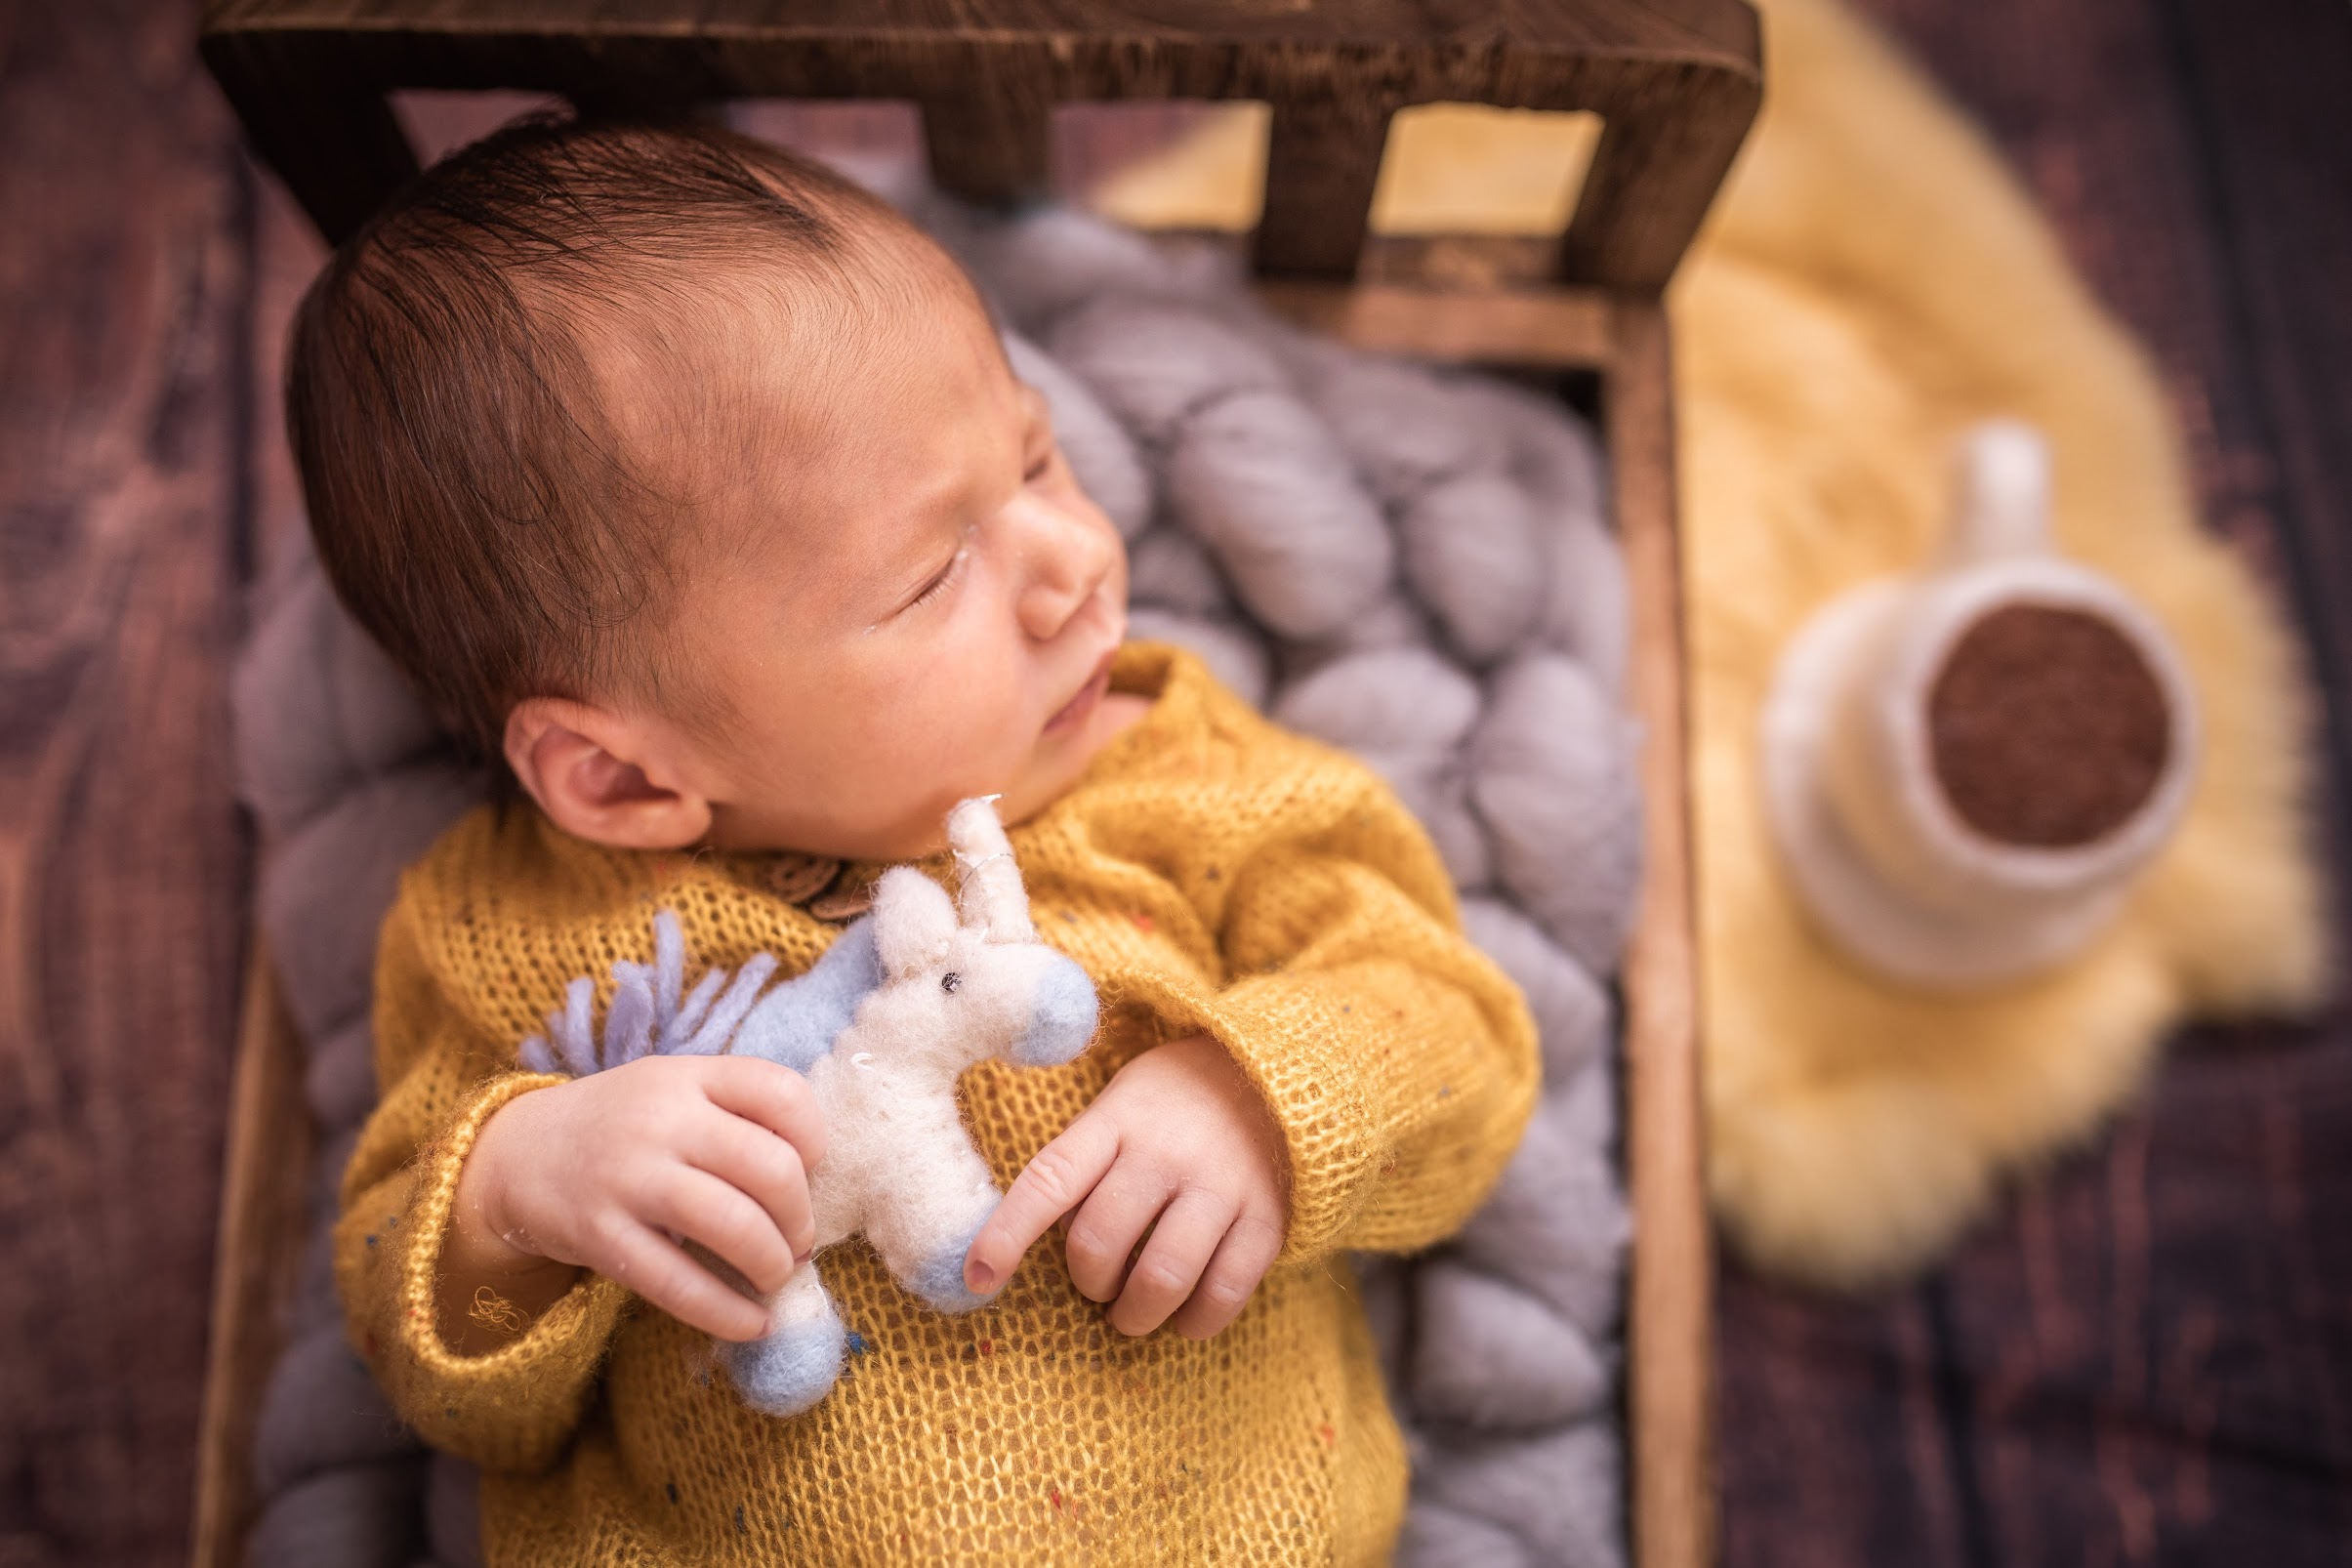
(692, 481)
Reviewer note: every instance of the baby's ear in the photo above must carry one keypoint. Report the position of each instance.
(914, 922)
(597, 776)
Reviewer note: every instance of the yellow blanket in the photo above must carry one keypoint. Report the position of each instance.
(1871, 283)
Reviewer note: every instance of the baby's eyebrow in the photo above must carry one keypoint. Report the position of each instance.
(927, 521)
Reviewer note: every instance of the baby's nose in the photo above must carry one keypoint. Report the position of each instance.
(1065, 559)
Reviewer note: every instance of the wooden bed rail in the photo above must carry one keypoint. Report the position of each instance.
(1675, 83)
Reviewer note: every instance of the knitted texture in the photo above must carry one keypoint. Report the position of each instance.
(1211, 873)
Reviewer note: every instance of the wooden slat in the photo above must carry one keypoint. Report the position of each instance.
(1323, 159)
(1612, 28)
(993, 144)
(1668, 139)
(1563, 327)
(324, 128)
(1668, 1325)
(261, 1239)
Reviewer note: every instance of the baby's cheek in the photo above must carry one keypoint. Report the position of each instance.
(973, 717)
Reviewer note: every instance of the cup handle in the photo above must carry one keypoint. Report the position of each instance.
(2004, 493)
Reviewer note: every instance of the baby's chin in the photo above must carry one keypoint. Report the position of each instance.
(921, 833)
(1063, 756)
(1055, 765)
(1057, 760)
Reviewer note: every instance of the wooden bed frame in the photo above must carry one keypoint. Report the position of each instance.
(1675, 83)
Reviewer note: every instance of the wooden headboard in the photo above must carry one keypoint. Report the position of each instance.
(1676, 82)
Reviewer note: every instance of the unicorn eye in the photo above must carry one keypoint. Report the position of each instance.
(950, 980)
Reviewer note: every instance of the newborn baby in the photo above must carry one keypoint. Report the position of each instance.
(691, 482)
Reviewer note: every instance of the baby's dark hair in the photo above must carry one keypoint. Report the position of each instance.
(468, 495)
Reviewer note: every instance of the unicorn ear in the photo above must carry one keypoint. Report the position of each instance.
(913, 922)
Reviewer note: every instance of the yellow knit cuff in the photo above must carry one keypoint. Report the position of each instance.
(513, 1406)
(1286, 1036)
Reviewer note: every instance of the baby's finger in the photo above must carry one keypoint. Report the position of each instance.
(750, 1157)
(1180, 1246)
(697, 1206)
(1064, 1173)
(1106, 1227)
(1240, 1262)
(769, 1094)
(658, 1269)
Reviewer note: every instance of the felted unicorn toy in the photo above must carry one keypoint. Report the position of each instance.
(906, 997)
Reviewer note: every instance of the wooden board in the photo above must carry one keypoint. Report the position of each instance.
(1562, 327)
(1669, 1437)
(264, 1213)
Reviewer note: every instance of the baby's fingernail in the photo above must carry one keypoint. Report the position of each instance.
(978, 1276)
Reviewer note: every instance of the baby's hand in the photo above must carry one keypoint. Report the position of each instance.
(1178, 1136)
(613, 1170)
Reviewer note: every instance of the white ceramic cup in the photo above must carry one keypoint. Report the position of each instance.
(1889, 868)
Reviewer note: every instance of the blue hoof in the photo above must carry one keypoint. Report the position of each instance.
(940, 1278)
(789, 1370)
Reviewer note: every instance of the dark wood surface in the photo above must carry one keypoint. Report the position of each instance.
(125, 292)
(2146, 1358)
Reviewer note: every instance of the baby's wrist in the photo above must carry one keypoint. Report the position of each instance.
(485, 1237)
(493, 1283)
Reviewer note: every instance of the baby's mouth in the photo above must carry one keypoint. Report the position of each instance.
(1078, 707)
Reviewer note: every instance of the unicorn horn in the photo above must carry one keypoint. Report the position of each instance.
(988, 890)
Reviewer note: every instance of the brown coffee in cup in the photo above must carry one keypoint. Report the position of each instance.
(2046, 728)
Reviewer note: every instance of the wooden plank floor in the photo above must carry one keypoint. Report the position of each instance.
(125, 287)
(2147, 1358)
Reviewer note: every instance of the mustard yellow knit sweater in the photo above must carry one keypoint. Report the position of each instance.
(1214, 873)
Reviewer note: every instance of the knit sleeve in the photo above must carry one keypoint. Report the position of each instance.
(1399, 1061)
(513, 1407)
